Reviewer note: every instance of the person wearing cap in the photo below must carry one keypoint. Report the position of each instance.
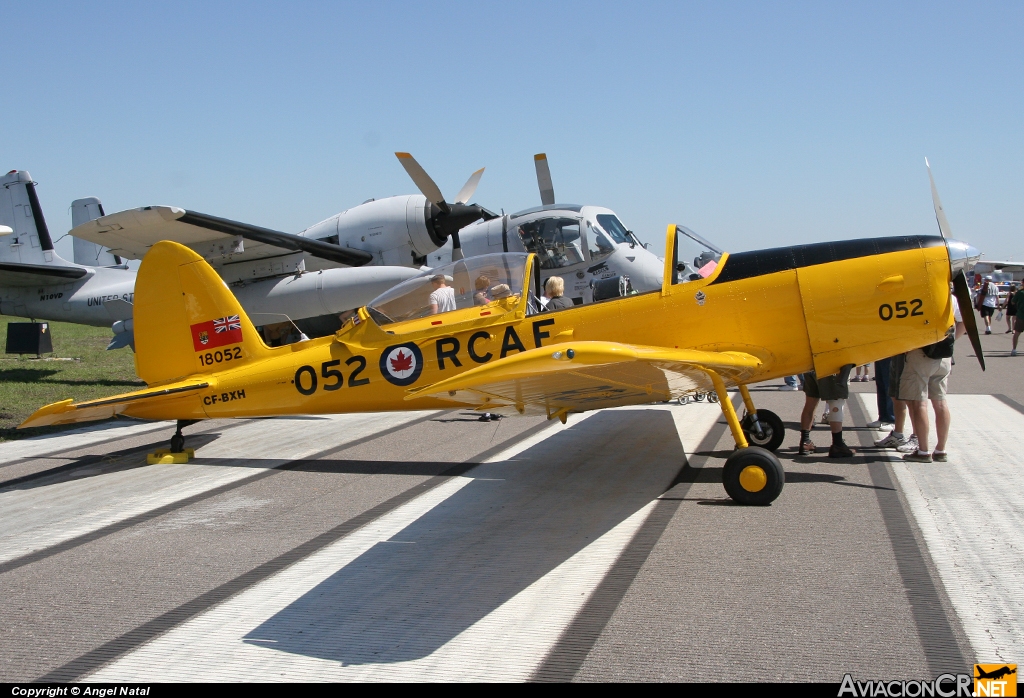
(987, 302)
(442, 298)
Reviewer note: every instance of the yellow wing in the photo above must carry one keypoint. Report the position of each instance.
(580, 376)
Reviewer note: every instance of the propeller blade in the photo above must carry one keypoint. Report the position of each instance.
(547, 189)
(963, 297)
(469, 188)
(940, 213)
(423, 181)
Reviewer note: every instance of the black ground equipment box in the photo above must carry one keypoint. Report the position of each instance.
(29, 338)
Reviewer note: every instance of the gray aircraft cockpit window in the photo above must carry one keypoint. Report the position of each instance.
(693, 256)
(555, 241)
(599, 243)
(486, 282)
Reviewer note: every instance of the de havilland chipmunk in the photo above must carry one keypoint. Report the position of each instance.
(717, 321)
(352, 256)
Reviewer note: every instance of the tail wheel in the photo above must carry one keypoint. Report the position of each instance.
(753, 476)
(177, 443)
(773, 431)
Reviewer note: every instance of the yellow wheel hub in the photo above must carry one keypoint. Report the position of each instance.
(753, 478)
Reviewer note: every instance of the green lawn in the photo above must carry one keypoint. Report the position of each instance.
(27, 384)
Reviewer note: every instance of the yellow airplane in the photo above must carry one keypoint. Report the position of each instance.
(719, 320)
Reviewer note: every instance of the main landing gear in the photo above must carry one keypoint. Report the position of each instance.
(177, 453)
(752, 474)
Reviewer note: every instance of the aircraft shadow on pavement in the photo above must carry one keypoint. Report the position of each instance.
(82, 467)
(514, 523)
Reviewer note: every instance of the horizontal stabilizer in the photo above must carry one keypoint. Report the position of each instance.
(578, 376)
(38, 274)
(69, 412)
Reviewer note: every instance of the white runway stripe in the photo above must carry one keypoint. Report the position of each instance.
(238, 640)
(37, 515)
(971, 514)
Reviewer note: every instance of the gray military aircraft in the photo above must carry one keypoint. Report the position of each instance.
(588, 246)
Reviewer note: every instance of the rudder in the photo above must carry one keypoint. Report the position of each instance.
(186, 319)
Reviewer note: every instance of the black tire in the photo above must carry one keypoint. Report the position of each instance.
(698, 397)
(771, 426)
(760, 486)
(712, 397)
(177, 443)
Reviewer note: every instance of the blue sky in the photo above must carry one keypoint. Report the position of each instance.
(755, 124)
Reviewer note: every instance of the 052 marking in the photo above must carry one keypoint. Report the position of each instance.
(216, 357)
(329, 373)
(886, 311)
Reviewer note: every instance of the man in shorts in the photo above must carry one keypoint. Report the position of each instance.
(896, 438)
(925, 378)
(835, 390)
(988, 301)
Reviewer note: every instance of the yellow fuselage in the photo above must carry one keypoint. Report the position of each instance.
(794, 316)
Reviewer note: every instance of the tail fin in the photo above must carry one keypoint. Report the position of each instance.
(20, 209)
(89, 253)
(186, 320)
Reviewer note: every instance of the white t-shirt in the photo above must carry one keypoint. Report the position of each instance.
(992, 297)
(956, 310)
(443, 298)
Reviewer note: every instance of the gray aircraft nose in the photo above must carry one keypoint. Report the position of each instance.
(962, 255)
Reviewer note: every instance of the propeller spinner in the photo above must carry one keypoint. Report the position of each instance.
(961, 255)
(447, 218)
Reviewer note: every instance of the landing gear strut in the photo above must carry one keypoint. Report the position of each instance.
(177, 453)
(178, 440)
(762, 428)
(752, 475)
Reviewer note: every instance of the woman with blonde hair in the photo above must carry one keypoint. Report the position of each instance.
(554, 287)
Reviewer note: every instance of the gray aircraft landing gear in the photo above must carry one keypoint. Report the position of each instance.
(752, 475)
(762, 428)
(177, 453)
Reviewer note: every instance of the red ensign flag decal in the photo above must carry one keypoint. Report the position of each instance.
(217, 333)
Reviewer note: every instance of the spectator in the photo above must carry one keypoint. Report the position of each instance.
(987, 301)
(925, 377)
(554, 287)
(1018, 323)
(835, 389)
(896, 438)
(790, 383)
(442, 298)
(1011, 307)
(886, 416)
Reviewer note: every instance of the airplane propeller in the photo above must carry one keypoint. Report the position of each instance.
(547, 189)
(961, 289)
(448, 218)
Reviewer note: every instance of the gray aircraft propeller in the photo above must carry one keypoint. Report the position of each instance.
(547, 189)
(447, 218)
(961, 289)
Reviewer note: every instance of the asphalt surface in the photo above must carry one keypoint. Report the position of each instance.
(431, 546)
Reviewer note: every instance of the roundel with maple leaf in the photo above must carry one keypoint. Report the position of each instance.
(401, 364)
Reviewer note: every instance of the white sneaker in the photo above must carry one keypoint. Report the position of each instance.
(879, 424)
(824, 417)
(789, 387)
(910, 446)
(891, 441)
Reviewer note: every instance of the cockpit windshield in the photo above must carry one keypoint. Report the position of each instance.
(555, 241)
(613, 226)
(694, 257)
(491, 281)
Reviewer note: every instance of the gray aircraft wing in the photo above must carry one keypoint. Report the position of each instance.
(38, 274)
(131, 233)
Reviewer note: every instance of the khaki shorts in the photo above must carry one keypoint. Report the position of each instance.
(924, 378)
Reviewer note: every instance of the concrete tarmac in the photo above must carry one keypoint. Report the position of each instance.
(431, 546)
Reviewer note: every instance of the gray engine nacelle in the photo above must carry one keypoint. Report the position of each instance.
(395, 230)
